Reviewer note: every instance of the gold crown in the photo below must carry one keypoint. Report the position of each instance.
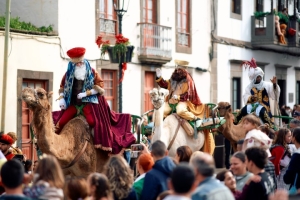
(181, 63)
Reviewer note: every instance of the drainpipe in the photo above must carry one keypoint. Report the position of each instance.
(7, 25)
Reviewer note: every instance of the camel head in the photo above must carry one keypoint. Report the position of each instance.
(223, 108)
(157, 96)
(36, 99)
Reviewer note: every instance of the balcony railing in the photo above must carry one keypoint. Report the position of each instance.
(155, 43)
(107, 26)
(264, 36)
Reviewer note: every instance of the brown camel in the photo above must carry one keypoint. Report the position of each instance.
(72, 140)
(230, 131)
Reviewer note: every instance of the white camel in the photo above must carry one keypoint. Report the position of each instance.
(164, 130)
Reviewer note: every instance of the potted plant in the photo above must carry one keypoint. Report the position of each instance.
(120, 52)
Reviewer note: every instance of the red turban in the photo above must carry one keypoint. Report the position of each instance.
(6, 139)
(76, 52)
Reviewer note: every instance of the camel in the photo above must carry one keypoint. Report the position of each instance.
(230, 131)
(165, 130)
(73, 139)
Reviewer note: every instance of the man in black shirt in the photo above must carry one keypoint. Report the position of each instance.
(256, 159)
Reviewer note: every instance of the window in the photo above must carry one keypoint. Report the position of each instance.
(183, 22)
(107, 17)
(282, 97)
(149, 11)
(297, 92)
(236, 93)
(236, 7)
(259, 5)
(110, 87)
(281, 5)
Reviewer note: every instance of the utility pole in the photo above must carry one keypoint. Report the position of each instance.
(5, 61)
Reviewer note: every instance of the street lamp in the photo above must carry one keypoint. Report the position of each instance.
(120, 10)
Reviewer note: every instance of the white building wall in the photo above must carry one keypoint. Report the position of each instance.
(26, 53)
(75, 22)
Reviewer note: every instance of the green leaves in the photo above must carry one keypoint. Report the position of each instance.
(15, 23)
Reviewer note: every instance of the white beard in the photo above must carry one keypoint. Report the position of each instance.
(80, 72)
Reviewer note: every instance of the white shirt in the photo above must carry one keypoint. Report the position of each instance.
(175, 197)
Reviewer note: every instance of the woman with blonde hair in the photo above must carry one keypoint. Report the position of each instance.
(48, 180)
(120, 177)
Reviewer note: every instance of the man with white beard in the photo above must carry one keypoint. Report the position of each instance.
(78, 89)
(81, 92)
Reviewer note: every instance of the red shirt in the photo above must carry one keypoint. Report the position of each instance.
(277, 152)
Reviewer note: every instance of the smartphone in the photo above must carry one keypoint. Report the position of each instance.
(137, 147)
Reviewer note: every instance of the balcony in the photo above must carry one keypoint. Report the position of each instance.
(155, 44)
(263, 36)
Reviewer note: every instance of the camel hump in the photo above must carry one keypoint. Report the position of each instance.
(77, 125)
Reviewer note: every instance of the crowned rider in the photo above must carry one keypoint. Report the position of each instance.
(183, 98)
(258, 93)
(81, 92)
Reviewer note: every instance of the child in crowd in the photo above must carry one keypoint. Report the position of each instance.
(49, 180)
(77, 188)
(254, 136)
(99, 187)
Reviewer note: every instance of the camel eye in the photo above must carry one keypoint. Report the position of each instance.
(40, 94)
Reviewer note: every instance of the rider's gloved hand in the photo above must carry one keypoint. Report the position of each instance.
(62, 102)
(176, 97)
(81, 95)
(158, 73)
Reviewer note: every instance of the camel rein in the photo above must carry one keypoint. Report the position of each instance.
(180, 121)
(77, 156)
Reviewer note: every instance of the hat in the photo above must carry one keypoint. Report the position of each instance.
(296, 114)
(181, 63)
(6, 139)
(146, 161)
(76, 54)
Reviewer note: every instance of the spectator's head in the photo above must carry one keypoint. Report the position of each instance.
(50, 171)
(99, 186)
(28, 165)
(227, 178)
(297, 115)
(35, 164)
(145, 163)
(265, 128)
(202, 169)
(159, 150)
(239, 145)
(182, 179)
(119, 175)
(77, 188)
(12, 174)
(238, 163)
(206, 157)
(250, 122)
(296, 137)
(294, 123)
(256, 158)
(183, 154)
(6, 141)
(283, 137)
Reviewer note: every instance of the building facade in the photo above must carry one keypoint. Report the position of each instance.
(160, 30)
(237, 36)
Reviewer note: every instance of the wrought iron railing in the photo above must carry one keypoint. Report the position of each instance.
(107, 26)
(183, 38)
(155, 40)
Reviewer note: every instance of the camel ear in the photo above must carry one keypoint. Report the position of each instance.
(50, 94)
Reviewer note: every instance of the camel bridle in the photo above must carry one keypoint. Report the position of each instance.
(37, 101)
(223, 108)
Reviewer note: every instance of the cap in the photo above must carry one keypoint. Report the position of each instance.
(296, 114)
(146, 161)
(6, 139)
(76, 54)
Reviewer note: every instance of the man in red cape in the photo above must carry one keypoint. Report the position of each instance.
(81, 92)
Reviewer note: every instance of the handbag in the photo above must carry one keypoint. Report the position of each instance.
(293, 189)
